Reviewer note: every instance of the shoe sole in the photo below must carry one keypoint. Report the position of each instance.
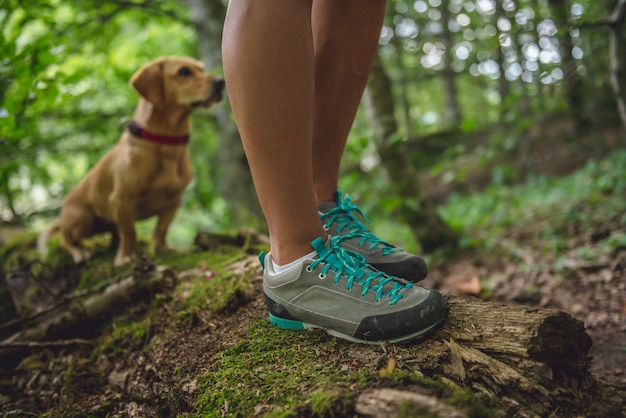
(302, 326)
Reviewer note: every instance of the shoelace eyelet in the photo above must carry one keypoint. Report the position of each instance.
(309, 269)
(322, 276)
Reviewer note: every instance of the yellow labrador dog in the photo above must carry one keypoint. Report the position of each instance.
(146, 173)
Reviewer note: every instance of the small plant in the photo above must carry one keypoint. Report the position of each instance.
(546, 211)
(123, 334)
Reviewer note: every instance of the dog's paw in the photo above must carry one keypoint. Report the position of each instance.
(81, 255)
(123, 259)
(163, 249)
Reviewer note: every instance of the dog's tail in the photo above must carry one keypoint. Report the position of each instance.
(45, 236)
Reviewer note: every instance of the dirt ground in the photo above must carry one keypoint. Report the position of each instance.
(73, 380)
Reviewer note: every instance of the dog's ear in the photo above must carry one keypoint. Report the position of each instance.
(148, 81)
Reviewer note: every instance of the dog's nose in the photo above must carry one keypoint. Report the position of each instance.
(218, 84)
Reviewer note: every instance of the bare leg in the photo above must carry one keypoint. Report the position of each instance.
(268, 67)
(345, 38)
(272, 77)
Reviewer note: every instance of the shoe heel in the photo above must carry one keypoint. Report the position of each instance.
(287, 323)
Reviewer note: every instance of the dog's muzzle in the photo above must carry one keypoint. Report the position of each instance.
(216, 93)
(218, 88)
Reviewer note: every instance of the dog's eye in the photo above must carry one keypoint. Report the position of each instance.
(184, 72)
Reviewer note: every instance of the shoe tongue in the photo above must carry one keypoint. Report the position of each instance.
(319, 246)
(326, 206)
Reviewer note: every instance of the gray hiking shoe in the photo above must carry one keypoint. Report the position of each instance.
(342, 217)
(341, 294)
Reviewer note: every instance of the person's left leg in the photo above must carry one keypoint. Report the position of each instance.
(268, 67)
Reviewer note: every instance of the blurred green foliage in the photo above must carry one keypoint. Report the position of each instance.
(64, 97)
(547, 211)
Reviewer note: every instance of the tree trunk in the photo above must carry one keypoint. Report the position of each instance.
(453, 109)
(402, 94)
(235, 183)
(618, 57)
(504, 87)
(419, 213)
(572, 80)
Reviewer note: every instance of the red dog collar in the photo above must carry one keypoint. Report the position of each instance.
(139, 132)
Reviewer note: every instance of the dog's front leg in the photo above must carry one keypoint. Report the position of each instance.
(124, 218)
(160, 230)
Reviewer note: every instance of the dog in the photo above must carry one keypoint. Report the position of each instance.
(147, 171)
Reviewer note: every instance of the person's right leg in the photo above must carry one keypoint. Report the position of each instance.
(268, 68)
(345, 39)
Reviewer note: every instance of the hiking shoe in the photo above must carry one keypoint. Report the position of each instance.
(342, 217)
(341, 294)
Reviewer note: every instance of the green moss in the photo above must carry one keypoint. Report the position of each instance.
(475, 405)
(332, 401)
(222, 290)
(224, 293)
(123, 334)
(272, 369)
(553, 209)
(21, 252)
(412, 410)
(182, 260)
(278, 374)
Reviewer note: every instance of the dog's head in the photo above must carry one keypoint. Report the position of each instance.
(177, 82)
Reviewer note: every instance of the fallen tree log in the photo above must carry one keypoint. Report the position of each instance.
(146, 280)
(385, 403)
(529, 362)
(546, 336)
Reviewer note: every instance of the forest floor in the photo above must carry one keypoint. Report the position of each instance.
(206, 348)
(162, 358)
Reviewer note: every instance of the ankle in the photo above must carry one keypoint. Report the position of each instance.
(325, 193)
(278, 268)
(283, 254)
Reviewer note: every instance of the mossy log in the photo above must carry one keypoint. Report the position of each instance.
(146, 279)
(209, 241)
(529, 362)
(386, 403)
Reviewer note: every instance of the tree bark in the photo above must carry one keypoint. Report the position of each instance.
(385, 403)
(504, 87)
(574, 85)
(146, 280)
(617, 53)
(235, 183)
(529, 362)
(419, 213)
(618, 57)
(451, 97)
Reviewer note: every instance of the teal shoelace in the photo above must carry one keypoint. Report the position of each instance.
(346, 219)
(352, 266)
